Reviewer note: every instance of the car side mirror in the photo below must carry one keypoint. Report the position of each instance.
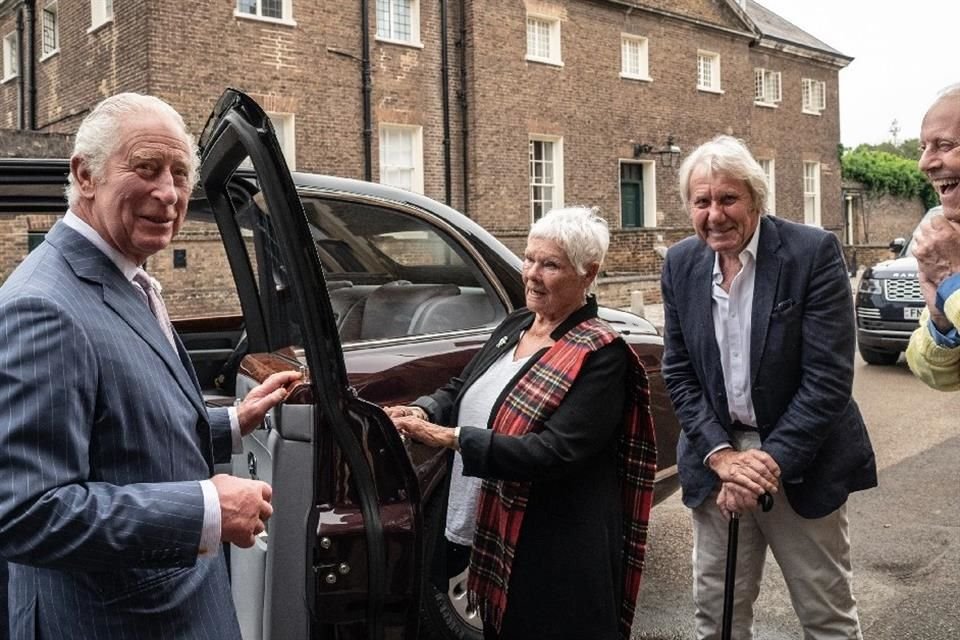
(897, 245)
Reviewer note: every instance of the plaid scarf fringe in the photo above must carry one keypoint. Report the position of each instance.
(502, 504)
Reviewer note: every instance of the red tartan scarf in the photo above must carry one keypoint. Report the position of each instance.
(526, 408)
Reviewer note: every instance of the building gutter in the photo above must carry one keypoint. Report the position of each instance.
(810, 53)
(21, 72)
(367, 89)
(30, 19)
(464, 122)
(445, 97)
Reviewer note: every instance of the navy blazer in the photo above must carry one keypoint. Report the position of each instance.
(103, 437)
(801, 366)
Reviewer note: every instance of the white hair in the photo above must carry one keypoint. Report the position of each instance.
(98, 135)
(579, 231)
(949, 91)
(729, 157)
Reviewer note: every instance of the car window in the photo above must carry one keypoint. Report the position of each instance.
(392, 273)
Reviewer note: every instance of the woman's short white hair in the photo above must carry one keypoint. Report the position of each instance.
(729, 157)
(579, 231)
(98, 137)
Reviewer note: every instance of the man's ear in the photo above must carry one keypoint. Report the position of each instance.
(82, 177)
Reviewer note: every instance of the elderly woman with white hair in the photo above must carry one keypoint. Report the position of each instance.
(552, 479)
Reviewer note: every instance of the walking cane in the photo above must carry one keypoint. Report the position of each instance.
(766, 503)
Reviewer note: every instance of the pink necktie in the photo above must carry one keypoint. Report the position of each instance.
(151, 289)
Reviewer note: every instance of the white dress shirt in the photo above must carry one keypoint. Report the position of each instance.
(732, 323)
(210, 534)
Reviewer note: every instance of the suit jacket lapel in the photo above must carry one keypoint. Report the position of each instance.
(764, 291)
(91, 264)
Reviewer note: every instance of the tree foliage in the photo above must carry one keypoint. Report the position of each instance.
(884, 172)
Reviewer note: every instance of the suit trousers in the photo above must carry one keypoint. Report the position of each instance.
(813, 555)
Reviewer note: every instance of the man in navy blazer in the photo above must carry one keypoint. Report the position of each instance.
(759, 342)
(109, 516)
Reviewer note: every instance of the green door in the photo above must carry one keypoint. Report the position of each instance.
(631, 195)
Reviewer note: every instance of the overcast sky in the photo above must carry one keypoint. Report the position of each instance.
(903, 54)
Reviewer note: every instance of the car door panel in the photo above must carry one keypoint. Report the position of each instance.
(344, 537)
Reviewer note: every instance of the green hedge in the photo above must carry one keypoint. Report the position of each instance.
(882, 173)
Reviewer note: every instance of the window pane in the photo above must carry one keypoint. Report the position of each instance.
(538, 38)
(247, 6)
(401, 28)
(272, 8)
(108, 8)
(631, 57)
(50, 29)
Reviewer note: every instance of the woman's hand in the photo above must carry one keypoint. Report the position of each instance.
(405, 412)
(425, 432)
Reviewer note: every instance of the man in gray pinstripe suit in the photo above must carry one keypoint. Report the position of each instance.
(109, 516)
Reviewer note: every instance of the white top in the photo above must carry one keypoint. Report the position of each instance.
(475, 409)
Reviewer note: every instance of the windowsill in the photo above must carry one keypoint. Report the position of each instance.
(629, 76)
(47, 56)
(636, 229)
(710, 90)
(552, 63)
(402, 43)
(287, 22)
(766, 105)
(811, 113)
(8, 79)
(96, 27)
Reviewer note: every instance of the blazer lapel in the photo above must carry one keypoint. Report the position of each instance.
(764, 291)
(89, 263)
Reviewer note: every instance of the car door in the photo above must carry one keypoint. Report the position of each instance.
(341, 555)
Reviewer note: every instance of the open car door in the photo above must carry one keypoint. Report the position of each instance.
(341, 556)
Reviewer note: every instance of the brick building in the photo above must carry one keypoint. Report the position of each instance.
(501, 108)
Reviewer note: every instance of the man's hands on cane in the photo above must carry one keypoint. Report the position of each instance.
(745, 476)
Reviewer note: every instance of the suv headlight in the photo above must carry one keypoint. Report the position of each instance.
(870, 286)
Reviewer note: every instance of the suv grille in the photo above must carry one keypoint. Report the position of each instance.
(902, 290)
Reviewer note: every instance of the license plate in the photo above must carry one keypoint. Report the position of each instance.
(912, 313)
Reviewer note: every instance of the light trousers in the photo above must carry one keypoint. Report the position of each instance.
(813, 555)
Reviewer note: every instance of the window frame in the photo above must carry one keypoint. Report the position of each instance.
(414, 40)
(761, 77)
(816, 91)
(643, 66)
(45, 53)
(554, 56)
(769, 166)
(286, 13)
(556, 174)
(101, 13)
(416, 152)
(286, 136)
(11, 56)
(812, 217)
(715, 85)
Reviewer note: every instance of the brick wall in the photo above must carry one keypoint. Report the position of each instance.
(33, 144)
(312, 69)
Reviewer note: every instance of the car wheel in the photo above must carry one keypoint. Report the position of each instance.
(873, 356)
(444, 615)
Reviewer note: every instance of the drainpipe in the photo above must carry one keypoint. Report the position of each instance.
(21, 73)
(367, 91)
(31, 20)
(464, 123)
(445, 95)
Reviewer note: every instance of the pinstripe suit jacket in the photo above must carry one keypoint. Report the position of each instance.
(103, 437)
